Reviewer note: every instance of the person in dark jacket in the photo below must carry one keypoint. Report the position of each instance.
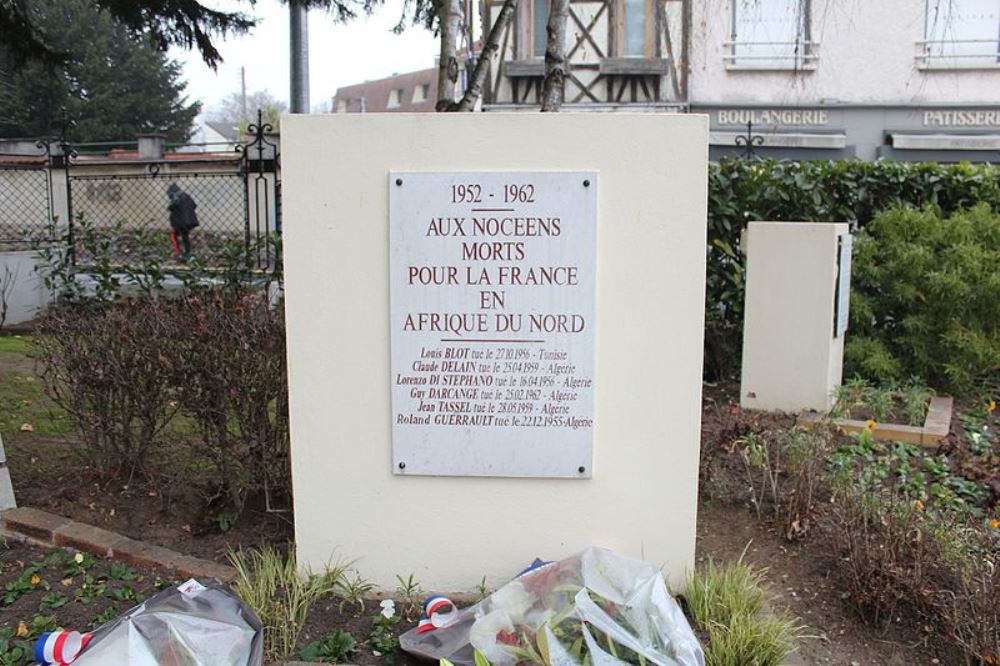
(182, 219)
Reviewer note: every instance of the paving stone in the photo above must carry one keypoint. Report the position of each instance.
(32, 523)
(194, 567)
(86, 538)
(145, 554)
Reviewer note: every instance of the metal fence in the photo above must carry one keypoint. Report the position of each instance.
(126, 214)
(118, 210)
(26, 211)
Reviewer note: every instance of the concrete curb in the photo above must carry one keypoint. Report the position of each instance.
(47, 529)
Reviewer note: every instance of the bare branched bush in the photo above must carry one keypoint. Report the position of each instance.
(103, 363)
(122, 369)
(229, 372)
(899, 558)
(785, 472)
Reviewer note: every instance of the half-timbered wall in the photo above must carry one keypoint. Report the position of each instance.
(622, 54)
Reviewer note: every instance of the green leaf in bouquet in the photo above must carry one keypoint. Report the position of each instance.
(520, 653)
(577, 649)
(556, 620)
(569, 588)
(542, 638)
(479, 658)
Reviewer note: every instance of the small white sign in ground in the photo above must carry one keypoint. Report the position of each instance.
(492, 282)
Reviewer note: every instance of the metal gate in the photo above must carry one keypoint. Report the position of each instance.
(103, 206)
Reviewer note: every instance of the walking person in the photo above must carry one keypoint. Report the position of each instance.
(182, 220)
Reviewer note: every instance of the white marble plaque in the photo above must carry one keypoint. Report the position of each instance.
(492, 322)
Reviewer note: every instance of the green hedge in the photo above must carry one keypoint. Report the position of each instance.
(926, 298)
(845, 191)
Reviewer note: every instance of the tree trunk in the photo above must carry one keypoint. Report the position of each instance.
(490, 48)
(448, 62)
(555, 56)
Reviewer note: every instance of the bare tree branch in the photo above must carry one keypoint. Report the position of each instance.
(555, 56)
(448, 61)
(490, 48)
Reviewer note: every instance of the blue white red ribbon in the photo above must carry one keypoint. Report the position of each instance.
(438, 612)
(534, 566)
(58, 648)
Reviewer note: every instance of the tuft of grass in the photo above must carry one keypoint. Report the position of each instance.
(729, 603)
(718, 592)
(281, 595)
(907, 401)
(25, 408)
(750, 641)
(353, 590)
(17, 344)
(915, 398)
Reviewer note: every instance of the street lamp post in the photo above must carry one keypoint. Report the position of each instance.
(299, 44)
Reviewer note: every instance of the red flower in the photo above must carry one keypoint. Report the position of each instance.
(507, 638)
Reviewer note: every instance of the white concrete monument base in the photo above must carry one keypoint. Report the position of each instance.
(353, 499)
(793, 354)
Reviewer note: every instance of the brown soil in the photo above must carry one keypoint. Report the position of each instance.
(331, 614)
(173, 513)
(800, 574)
(80, 610)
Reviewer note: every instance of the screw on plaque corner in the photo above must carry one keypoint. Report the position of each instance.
(399, 181)
(586, 183)
(581, 469)
(402, 465)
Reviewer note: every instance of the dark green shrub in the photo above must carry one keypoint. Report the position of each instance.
(926, 298)
(845, 191)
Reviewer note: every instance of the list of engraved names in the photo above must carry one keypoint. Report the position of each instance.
(492, 291)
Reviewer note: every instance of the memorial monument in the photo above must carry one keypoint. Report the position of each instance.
(495, 339)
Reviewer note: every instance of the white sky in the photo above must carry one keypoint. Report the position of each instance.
(338, 54)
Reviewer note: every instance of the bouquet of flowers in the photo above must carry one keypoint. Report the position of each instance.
(592, 608)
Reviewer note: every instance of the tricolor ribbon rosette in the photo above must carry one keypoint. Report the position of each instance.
(59, 648)
(438, 612)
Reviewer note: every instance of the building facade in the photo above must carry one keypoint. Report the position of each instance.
(908, 79)
(814, 79)
(413, 91)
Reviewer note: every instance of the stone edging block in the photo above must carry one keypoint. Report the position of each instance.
(933, 432)
(48, 529)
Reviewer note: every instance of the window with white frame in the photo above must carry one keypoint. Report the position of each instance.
(961, 33)
(395, 96)
(771, 34)
(420, 93)
(342, 105)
